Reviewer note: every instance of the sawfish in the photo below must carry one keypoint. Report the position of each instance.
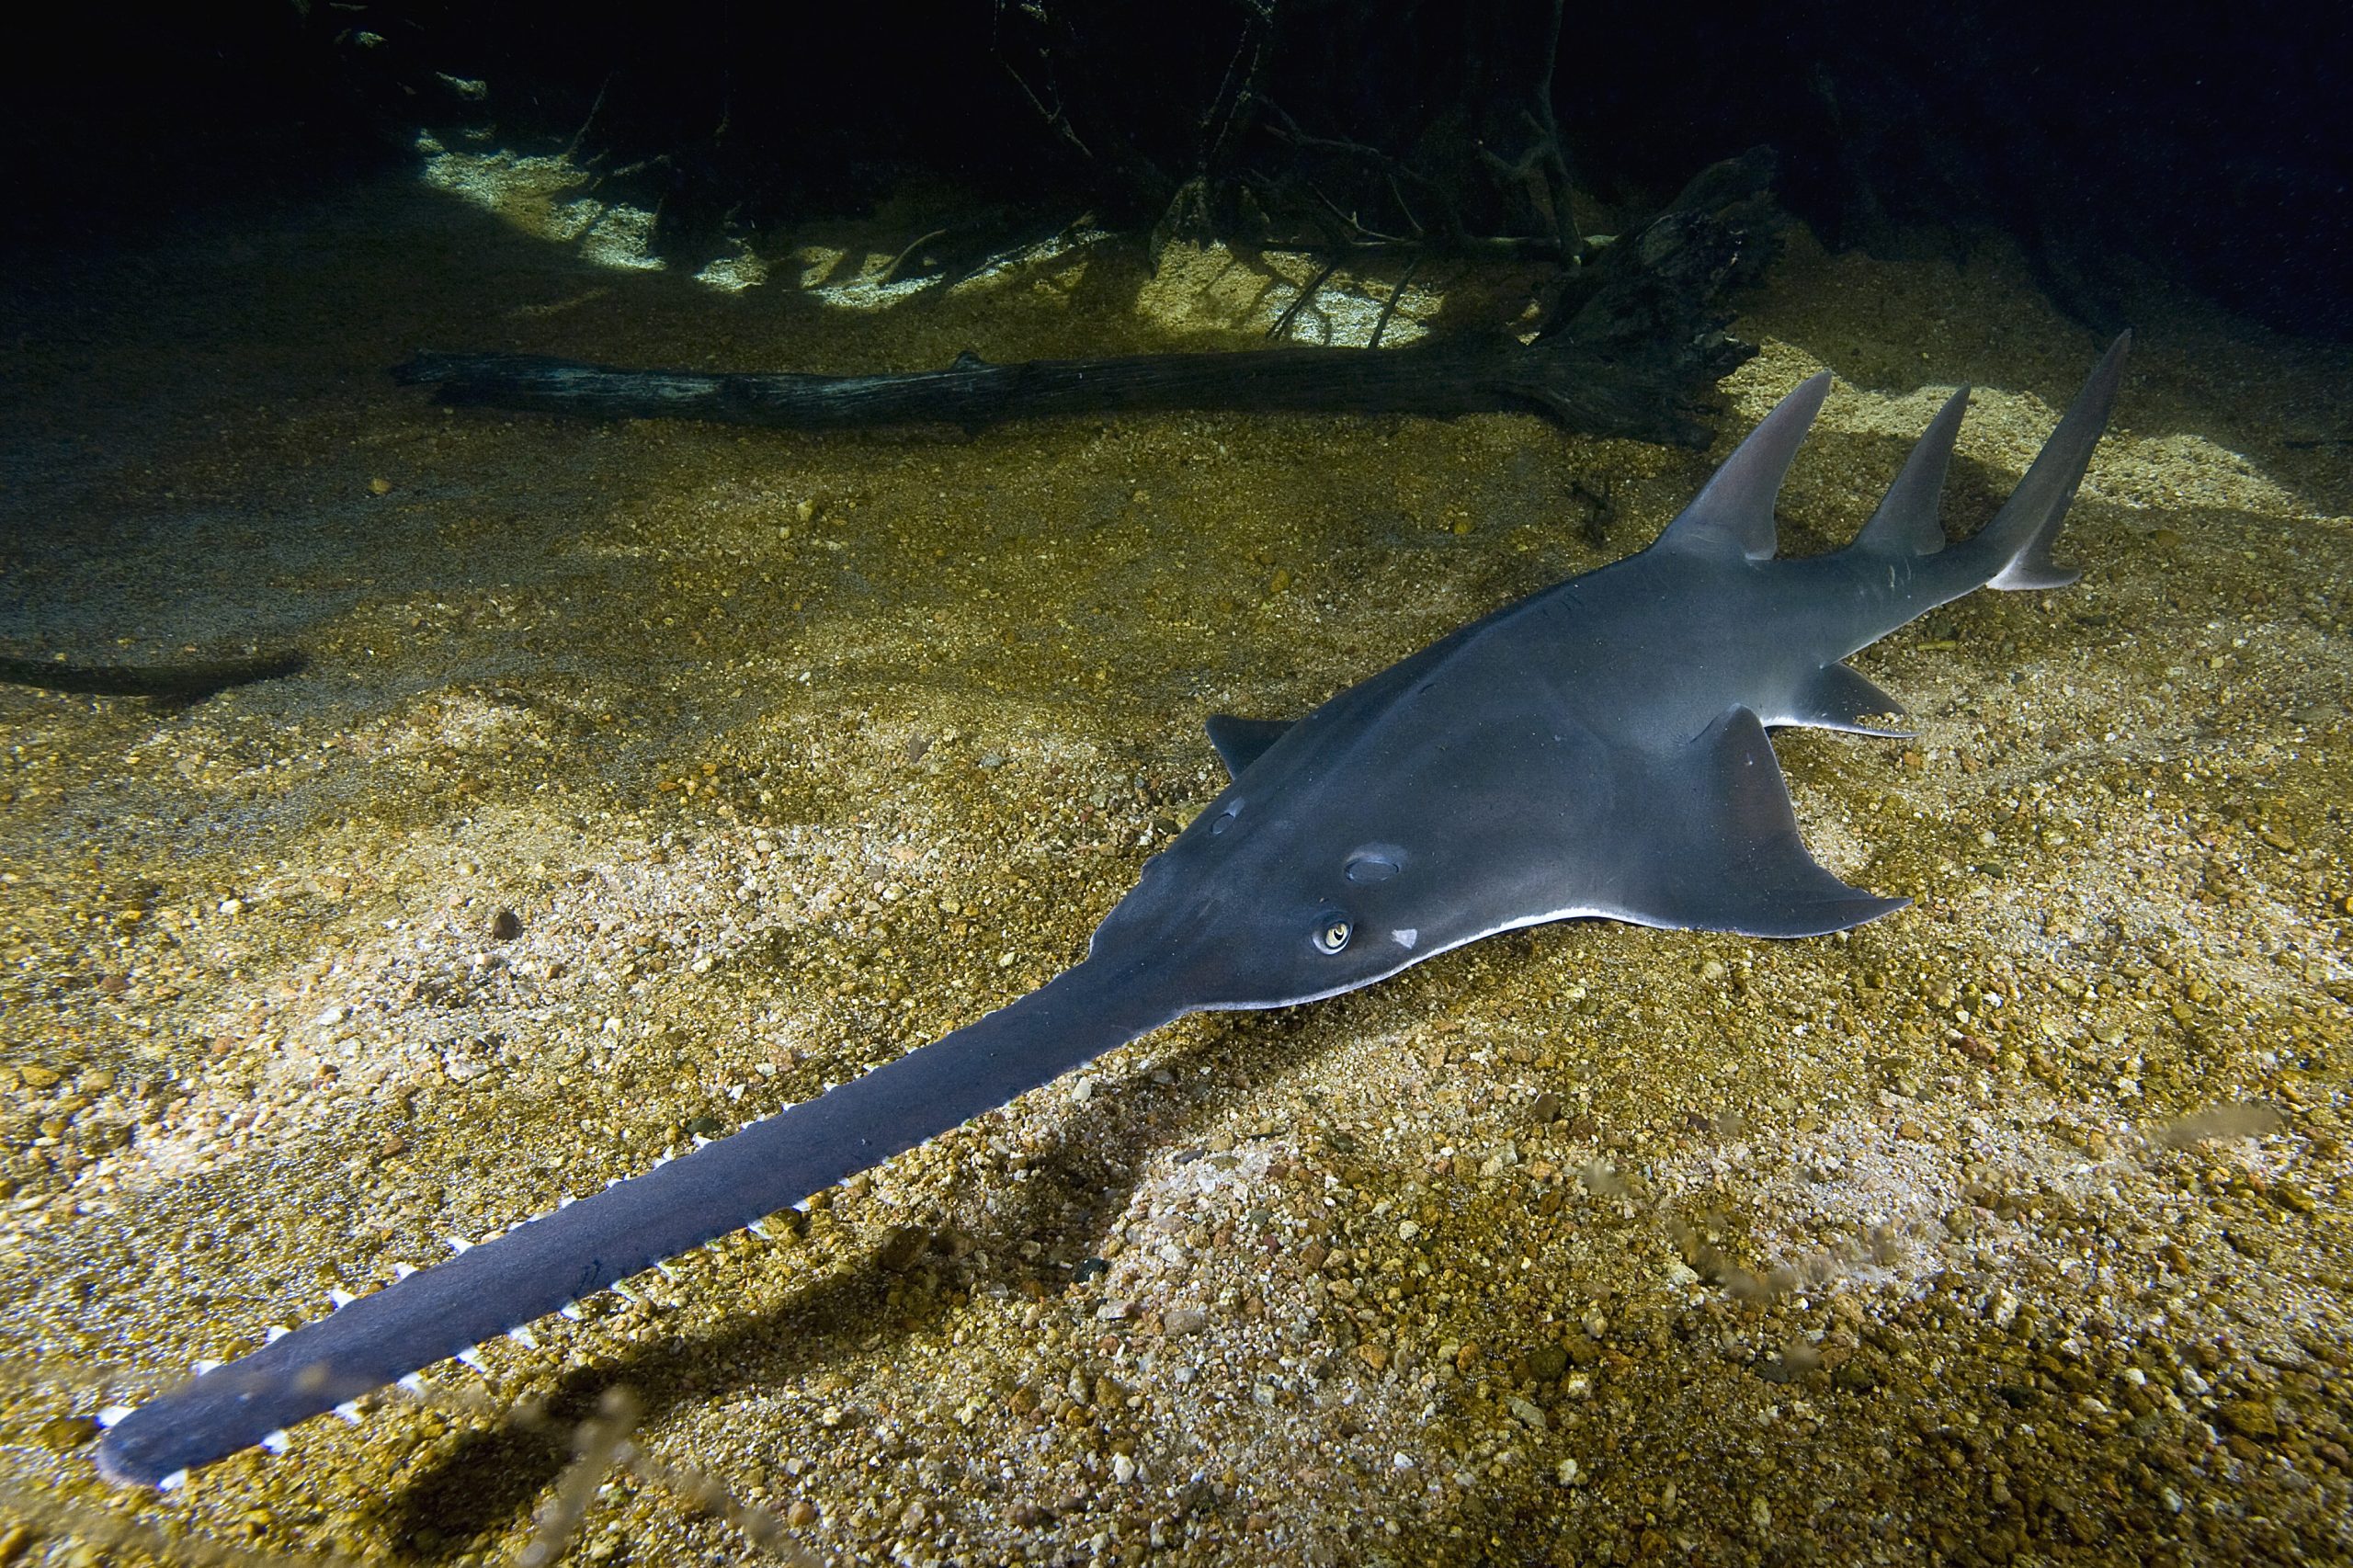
(1598, 749)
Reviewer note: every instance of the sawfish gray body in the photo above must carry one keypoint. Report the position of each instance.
(1596, 749)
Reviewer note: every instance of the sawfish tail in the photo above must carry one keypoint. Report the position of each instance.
(2014, 550)
(1902, 564)
(543, 1266)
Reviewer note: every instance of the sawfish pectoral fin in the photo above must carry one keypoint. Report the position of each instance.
(1838, 698)
(1720, 849)
(1240, 741)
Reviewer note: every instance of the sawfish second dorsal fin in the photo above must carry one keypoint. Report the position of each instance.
(1906, 522)
(1736, 510)
(1240, 742)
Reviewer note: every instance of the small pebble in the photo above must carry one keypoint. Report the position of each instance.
(2250, 1418)
(64, 1434)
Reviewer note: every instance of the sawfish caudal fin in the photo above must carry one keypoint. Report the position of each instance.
(542, 1267)
(2015, 547)
(1735, 509)
(1720, 849)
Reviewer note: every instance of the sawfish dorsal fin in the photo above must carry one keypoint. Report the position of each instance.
(1240, 741)
(1720, 849)
(1906, 522)
(1736, 510)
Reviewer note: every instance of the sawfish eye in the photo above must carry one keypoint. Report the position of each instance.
(1334, 935)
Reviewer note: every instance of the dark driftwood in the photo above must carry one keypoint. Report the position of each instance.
(1426, 379)
(182, 683)
(1642, 346)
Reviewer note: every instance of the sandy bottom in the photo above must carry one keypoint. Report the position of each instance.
(647, 778)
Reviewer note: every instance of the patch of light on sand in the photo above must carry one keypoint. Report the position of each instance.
(543, 196)
(733, 274)
(612, 234)
(831, 277)
(548, 196)
(828, 275)
(1209, 286)
(2180, 471)
(996, 269)
(2167, 472)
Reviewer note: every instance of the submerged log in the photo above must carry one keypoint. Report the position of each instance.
(1642, 348)
(1436, 379)
(178, 684)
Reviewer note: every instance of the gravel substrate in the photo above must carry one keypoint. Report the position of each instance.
(646, 778)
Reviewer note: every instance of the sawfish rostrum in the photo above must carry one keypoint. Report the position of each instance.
(1596, 749)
